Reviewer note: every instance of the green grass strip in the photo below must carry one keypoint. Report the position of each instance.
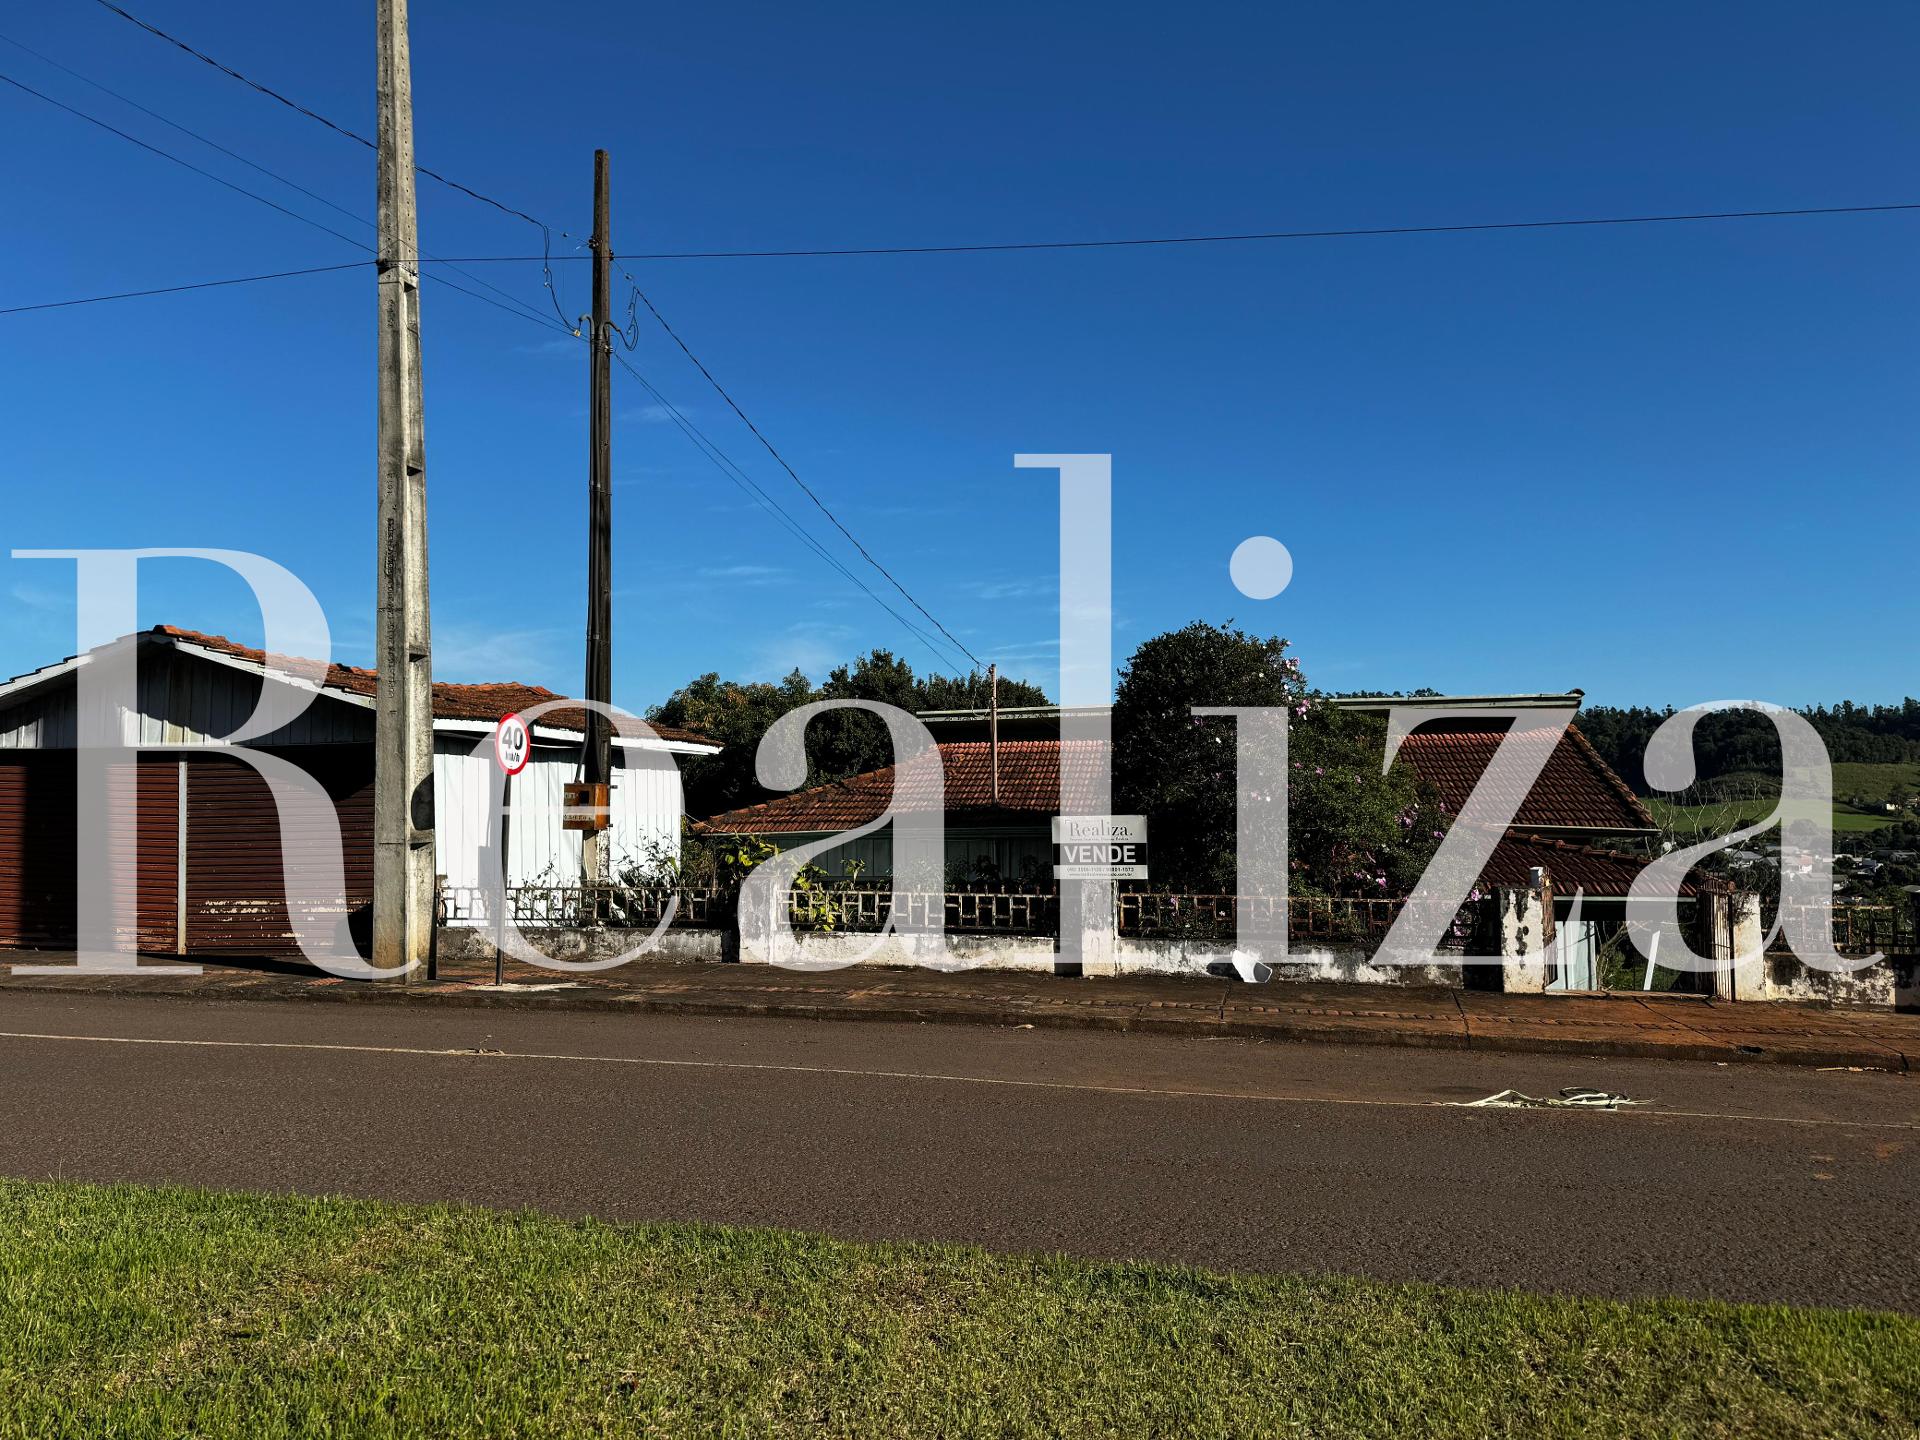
(132, 1311)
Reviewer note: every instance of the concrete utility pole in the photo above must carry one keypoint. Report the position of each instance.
(596, 767)
(403, 859)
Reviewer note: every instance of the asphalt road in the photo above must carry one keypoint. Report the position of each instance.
(1750, 1183)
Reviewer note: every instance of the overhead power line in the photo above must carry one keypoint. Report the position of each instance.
(754, 491)
(1225, 239)
(295, 105)
(546, 258)
(257, 197)
(351, 134)
(793, 474)
(177, 160)
(992, 247)
(1231, 237)
(176, 125)
(1259, 235)
(178, 289)
(253, 165)
(707, 447)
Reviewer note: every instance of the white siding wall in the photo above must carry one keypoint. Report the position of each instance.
(183, 700)
(43, 723)
(646, 804)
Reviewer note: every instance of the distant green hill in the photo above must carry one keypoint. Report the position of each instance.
(1860, 790)
(1877, 784)
(1701, 821)
(1731, 743)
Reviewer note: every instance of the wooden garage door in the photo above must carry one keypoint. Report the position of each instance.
(236, 899)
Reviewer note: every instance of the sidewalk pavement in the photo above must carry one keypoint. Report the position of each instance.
(1641, 1026)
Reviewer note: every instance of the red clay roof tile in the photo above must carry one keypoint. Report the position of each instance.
(1575, 789)
(1029, 784)
(450, 701)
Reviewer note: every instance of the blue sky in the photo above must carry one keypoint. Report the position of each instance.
(1664, 463)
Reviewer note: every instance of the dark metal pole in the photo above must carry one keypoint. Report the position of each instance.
(597, 762)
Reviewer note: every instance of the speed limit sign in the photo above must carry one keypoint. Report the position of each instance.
(512, 744)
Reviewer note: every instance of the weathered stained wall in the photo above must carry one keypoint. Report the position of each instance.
(984, 952)
(1878, 985)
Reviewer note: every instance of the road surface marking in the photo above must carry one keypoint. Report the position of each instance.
(769, 1067)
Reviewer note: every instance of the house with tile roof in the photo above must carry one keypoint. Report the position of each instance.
(1578, 816)
(1002, 831)
(1579, 823)
(207, 857)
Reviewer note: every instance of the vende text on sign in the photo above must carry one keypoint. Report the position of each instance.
(1099, 847)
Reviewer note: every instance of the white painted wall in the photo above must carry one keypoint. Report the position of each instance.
(646, 802)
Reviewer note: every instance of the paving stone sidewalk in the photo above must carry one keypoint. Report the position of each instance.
(1677, 1028)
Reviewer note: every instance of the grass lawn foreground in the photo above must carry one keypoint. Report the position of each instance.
(134, 1311)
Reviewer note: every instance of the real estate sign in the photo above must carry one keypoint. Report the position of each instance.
(1099, 847)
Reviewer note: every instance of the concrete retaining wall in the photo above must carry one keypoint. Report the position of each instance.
(970, 952)
(1892, 984)
(462, 942)
(1887, 985)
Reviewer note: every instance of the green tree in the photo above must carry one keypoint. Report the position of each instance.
(1352, 831)
(738, 714)
(971, 692)
(849, 742)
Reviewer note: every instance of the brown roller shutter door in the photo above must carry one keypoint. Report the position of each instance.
(36, 848)
(236, 900)
(150, 854)
(38, 830)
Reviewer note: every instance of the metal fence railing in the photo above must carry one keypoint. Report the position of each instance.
(577, 907)
(1139, 914)
(837, 908)
(990, 911)
(1860, 930)
(1024, 912)
(1154, 915)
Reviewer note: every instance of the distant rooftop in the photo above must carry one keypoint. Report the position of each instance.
(1548, 701)
(1010, 712)
(1028, 715)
